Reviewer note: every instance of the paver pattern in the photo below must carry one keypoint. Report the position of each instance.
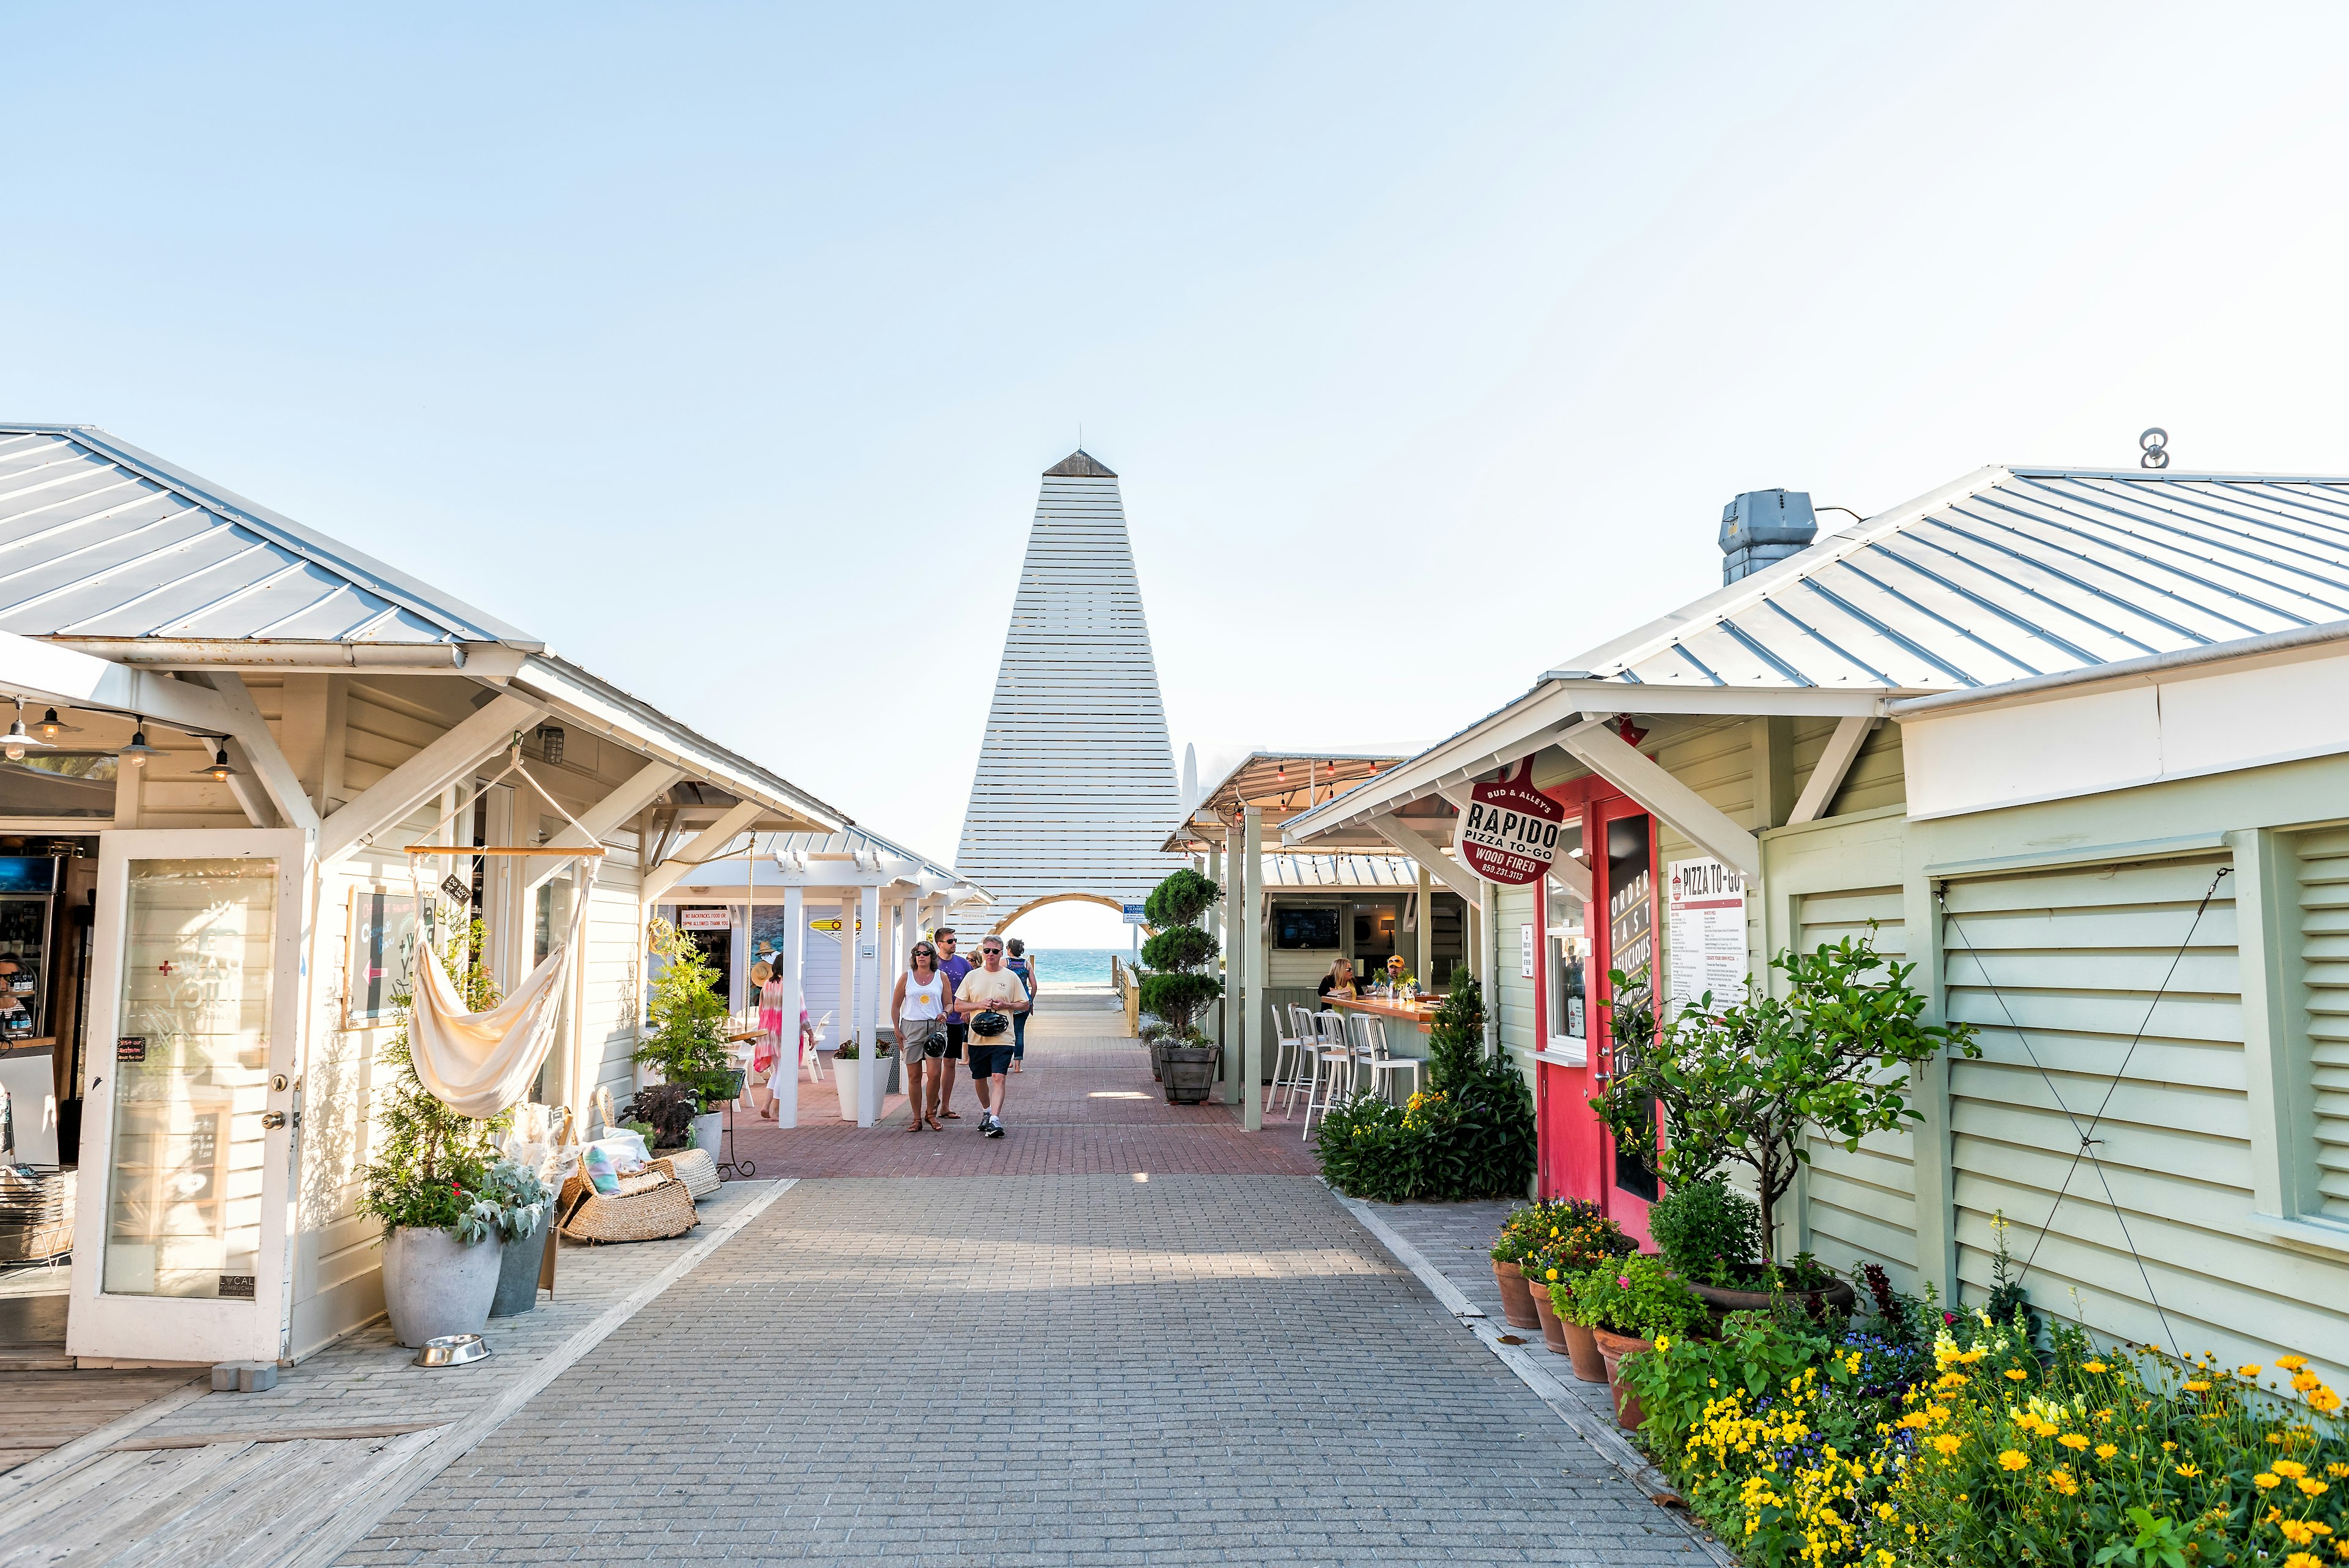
(1064, 1370)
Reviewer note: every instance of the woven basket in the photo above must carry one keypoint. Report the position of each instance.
(646, 1209)
(694, 1167)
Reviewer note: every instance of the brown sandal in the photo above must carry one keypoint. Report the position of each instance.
(950, 1116)
(933, 1125)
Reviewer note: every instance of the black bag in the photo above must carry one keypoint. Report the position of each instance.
(990, 1024)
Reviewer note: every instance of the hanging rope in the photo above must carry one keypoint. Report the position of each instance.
(2087, 1134)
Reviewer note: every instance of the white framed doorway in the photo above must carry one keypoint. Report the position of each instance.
(189, 1118)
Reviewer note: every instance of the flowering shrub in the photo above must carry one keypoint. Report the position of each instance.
(1635, 1296)
(1558, 1239)
(1470, 1134)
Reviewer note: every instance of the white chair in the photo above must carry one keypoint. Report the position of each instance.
(1383, 1064)
(815, 1058)
(1288, 1060)
(1333, 1065)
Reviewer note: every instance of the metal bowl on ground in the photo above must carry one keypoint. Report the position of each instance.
(452, 1350)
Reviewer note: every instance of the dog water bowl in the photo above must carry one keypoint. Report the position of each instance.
(452, 1350)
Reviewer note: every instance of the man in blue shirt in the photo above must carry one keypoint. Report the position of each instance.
(954, 966)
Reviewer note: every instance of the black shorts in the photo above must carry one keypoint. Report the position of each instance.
(990, 1060)
(955, 1035)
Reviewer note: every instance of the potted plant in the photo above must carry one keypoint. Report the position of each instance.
(672, 1112)
(1753, 1082)
(431, 1186)
(1710, 1234)
(1578, 1238)
(687, 1044)
(1178, 987)
(1511, 1248)
(846, 1061)
(1629, 1306)
(526, 1207)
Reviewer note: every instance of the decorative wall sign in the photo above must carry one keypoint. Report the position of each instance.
(1508, 832)
(705, 917)
(382, 948)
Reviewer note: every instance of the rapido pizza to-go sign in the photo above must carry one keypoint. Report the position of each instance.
(1508, 834)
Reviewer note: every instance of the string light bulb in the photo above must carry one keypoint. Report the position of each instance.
(138, 753)
(51, 727)
(16, 741)
(220, 772)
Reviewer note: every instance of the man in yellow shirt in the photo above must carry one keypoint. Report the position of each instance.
(987, 997)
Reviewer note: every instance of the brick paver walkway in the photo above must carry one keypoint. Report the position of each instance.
(1066, 1370)
(1086, 1105)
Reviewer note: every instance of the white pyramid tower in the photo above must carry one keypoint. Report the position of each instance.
(1075, 787)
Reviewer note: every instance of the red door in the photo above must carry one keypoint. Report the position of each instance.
(1622, 854)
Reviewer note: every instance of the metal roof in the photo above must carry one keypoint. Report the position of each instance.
(1284, 872)
(2009, 573)
(100, 540)
(857, 841)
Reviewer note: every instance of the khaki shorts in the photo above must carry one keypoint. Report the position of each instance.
(924, 1039)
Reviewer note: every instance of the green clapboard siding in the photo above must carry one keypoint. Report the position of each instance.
(1513, 995)
(2324, 969)
(1860, 1205)
(2060, 970)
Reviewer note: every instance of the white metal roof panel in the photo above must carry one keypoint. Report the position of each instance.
(98, 539)
(2010, 573)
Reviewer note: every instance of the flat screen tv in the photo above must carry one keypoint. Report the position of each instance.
(1305, 928)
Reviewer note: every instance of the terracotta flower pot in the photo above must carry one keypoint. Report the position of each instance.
(1837, 1297)
(1612, 1349)
(1553, 1331)
(1582, 1344)
(1516, 1299)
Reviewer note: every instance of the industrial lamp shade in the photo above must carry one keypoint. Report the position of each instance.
(51, 727)
(138, 753)
(220, 772)
(17, 743)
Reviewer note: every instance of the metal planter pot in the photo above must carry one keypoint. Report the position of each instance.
(434, 1285)
(518, 1269)
(1189, 1074)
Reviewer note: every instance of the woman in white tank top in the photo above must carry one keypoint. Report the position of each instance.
(917, 1014)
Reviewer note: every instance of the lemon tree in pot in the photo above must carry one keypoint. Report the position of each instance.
(688, 1043)
(433, 1183)
(1177, 984)
(1753, 1083)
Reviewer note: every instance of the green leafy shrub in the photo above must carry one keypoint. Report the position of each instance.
(1456, 1039)
(1469, 1135)
(431, 1169)
(687, 1046)
(1707, 1231)
(1635, 1296)
(1179, 947)
(1177, 985)
(1558, 1239)
(1180, 899)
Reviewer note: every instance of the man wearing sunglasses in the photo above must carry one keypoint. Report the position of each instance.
(990, 998)
(954, 966)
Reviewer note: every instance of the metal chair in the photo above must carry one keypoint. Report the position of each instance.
(1333, 1062)
(1384, 1066)
(1291, 1060)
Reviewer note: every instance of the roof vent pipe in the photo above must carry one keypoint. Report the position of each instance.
(1762, 526)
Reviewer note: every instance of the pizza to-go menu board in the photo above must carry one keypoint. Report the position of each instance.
(1705, 928)
(1507, 833)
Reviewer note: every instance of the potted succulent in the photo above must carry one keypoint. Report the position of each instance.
(1576, 1238)
(1754, 1083)
(430, 1185)
(1710, 1234)
(687, 1044)
(1629, 1306)
(1177, 986)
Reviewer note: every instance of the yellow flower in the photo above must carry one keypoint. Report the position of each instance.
(2017, 1373)
(2169, 1447)
(2197, 1385)
(2014, 1460)
(2300, 1532)
(1664, 1342)
(2302, 1560)
(2249, 1369)
(2072, 1440)
(2265, 1481)
(2325, 1400)
(1948, 1443)
(2093, 1366)
(2313, 1487)
(2290, 1469)
(1551, 1275)
(2338, 1472)
(2292, 1363)
(2105, 1451)
(2189, 1472)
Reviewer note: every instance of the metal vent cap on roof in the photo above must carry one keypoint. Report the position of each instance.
(1762, 526)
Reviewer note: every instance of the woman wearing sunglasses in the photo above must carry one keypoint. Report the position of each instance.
(917, 1013)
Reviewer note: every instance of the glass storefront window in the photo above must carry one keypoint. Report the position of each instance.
(191, 1079)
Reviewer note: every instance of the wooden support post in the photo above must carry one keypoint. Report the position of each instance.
(872, 1081)
(1426, 967)
(785, 1085)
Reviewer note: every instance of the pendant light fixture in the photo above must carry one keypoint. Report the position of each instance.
(220, 772)
(17, 743)
(138, 753)
(51, 727)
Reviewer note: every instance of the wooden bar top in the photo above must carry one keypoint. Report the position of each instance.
(1420, 1015)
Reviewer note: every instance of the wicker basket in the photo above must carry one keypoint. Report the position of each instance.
(694, 1167)
(646, 1209)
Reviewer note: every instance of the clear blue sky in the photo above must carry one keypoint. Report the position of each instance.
(722, 347)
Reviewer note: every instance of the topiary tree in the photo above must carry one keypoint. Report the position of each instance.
(1177, 984)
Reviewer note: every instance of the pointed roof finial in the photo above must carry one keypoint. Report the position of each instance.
(1081, 464)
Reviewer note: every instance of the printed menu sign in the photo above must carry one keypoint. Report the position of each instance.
(1705, 930)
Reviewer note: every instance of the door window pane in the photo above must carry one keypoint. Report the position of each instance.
(191, 1079)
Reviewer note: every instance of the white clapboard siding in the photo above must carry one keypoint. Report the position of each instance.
(1074, 791)
(2060, 970)
(2324, 969)
(610, 1000)
(1860, 1205)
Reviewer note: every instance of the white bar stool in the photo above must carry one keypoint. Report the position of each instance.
(1289, 1053)
(1383, 1064)
(1333, 1062)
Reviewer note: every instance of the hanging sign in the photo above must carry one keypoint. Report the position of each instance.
(1704, 928)
(706, 917)
(458, 891)
(1508, 832)
(824, 925)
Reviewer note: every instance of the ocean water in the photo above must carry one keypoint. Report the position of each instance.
(1057, 966)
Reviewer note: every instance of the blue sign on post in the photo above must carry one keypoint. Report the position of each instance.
(1134, 914)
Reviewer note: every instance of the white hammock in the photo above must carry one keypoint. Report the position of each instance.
(478, 1064)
